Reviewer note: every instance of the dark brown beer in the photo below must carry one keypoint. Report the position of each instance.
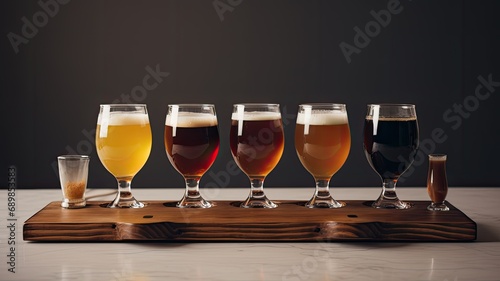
(257, 142)
(390, 144)
(437, 184)
(192, 146)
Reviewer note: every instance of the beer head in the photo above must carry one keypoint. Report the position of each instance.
(391, 110)
(106, 119)
(322, 117)
(191, 120)
(256, 116)
(122, 118)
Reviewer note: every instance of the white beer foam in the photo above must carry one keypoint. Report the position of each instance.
(106, 119)
(322, 117)
(191, 120)
(256, 116)
(120, 119)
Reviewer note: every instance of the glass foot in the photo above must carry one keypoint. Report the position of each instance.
(261, 202)
(324, 202)
(384, 203)
(125, 201)
(199, 202)
(73, 204)
(437, 207)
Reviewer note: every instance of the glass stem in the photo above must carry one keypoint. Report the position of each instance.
(257, 188)
(388, 198)
(322, 188)
(124, 197)
(257, 198)
(322, 197)
(192, 196)
(124, 189)
(192, 188)
(389, 189)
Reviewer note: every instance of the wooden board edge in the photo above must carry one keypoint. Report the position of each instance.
(266, 232)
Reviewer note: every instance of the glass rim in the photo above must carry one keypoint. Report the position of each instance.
(322, 104)
(123, 105)
(392, 104)
(73, 157)
(256, 104)
(438, 155)
(191, 104)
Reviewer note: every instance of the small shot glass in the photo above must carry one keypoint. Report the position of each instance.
(437, 182)
(73, 174)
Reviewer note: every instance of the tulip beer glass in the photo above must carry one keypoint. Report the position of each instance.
(123, 142)
(390, 144)
(192, 144)
(257, 142)
(322, 142)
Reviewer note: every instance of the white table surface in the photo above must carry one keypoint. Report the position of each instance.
(451, 261)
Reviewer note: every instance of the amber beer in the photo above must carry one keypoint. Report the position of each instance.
(123, 142)
(257, 141)
(192, 142)
(322, 142)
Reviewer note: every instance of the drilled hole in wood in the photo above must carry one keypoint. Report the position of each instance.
(147, 216)
(352, 216)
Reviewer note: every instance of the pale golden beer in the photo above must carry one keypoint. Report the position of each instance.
(123, 142)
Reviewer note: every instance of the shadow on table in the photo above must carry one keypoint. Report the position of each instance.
(487, 233)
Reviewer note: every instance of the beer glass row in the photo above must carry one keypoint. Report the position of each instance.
(322, 142)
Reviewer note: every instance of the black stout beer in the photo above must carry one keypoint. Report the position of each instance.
(390, 144)
(192, 142)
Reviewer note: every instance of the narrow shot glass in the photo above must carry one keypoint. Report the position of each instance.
(437, 182)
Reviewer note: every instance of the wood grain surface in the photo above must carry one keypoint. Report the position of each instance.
(291, 221)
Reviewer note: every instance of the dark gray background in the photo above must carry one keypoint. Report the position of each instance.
(90, 52)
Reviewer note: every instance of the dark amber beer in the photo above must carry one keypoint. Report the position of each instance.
(322, 142)
(257, 142)
(192, 142)
(390, 144)
(437, 184)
